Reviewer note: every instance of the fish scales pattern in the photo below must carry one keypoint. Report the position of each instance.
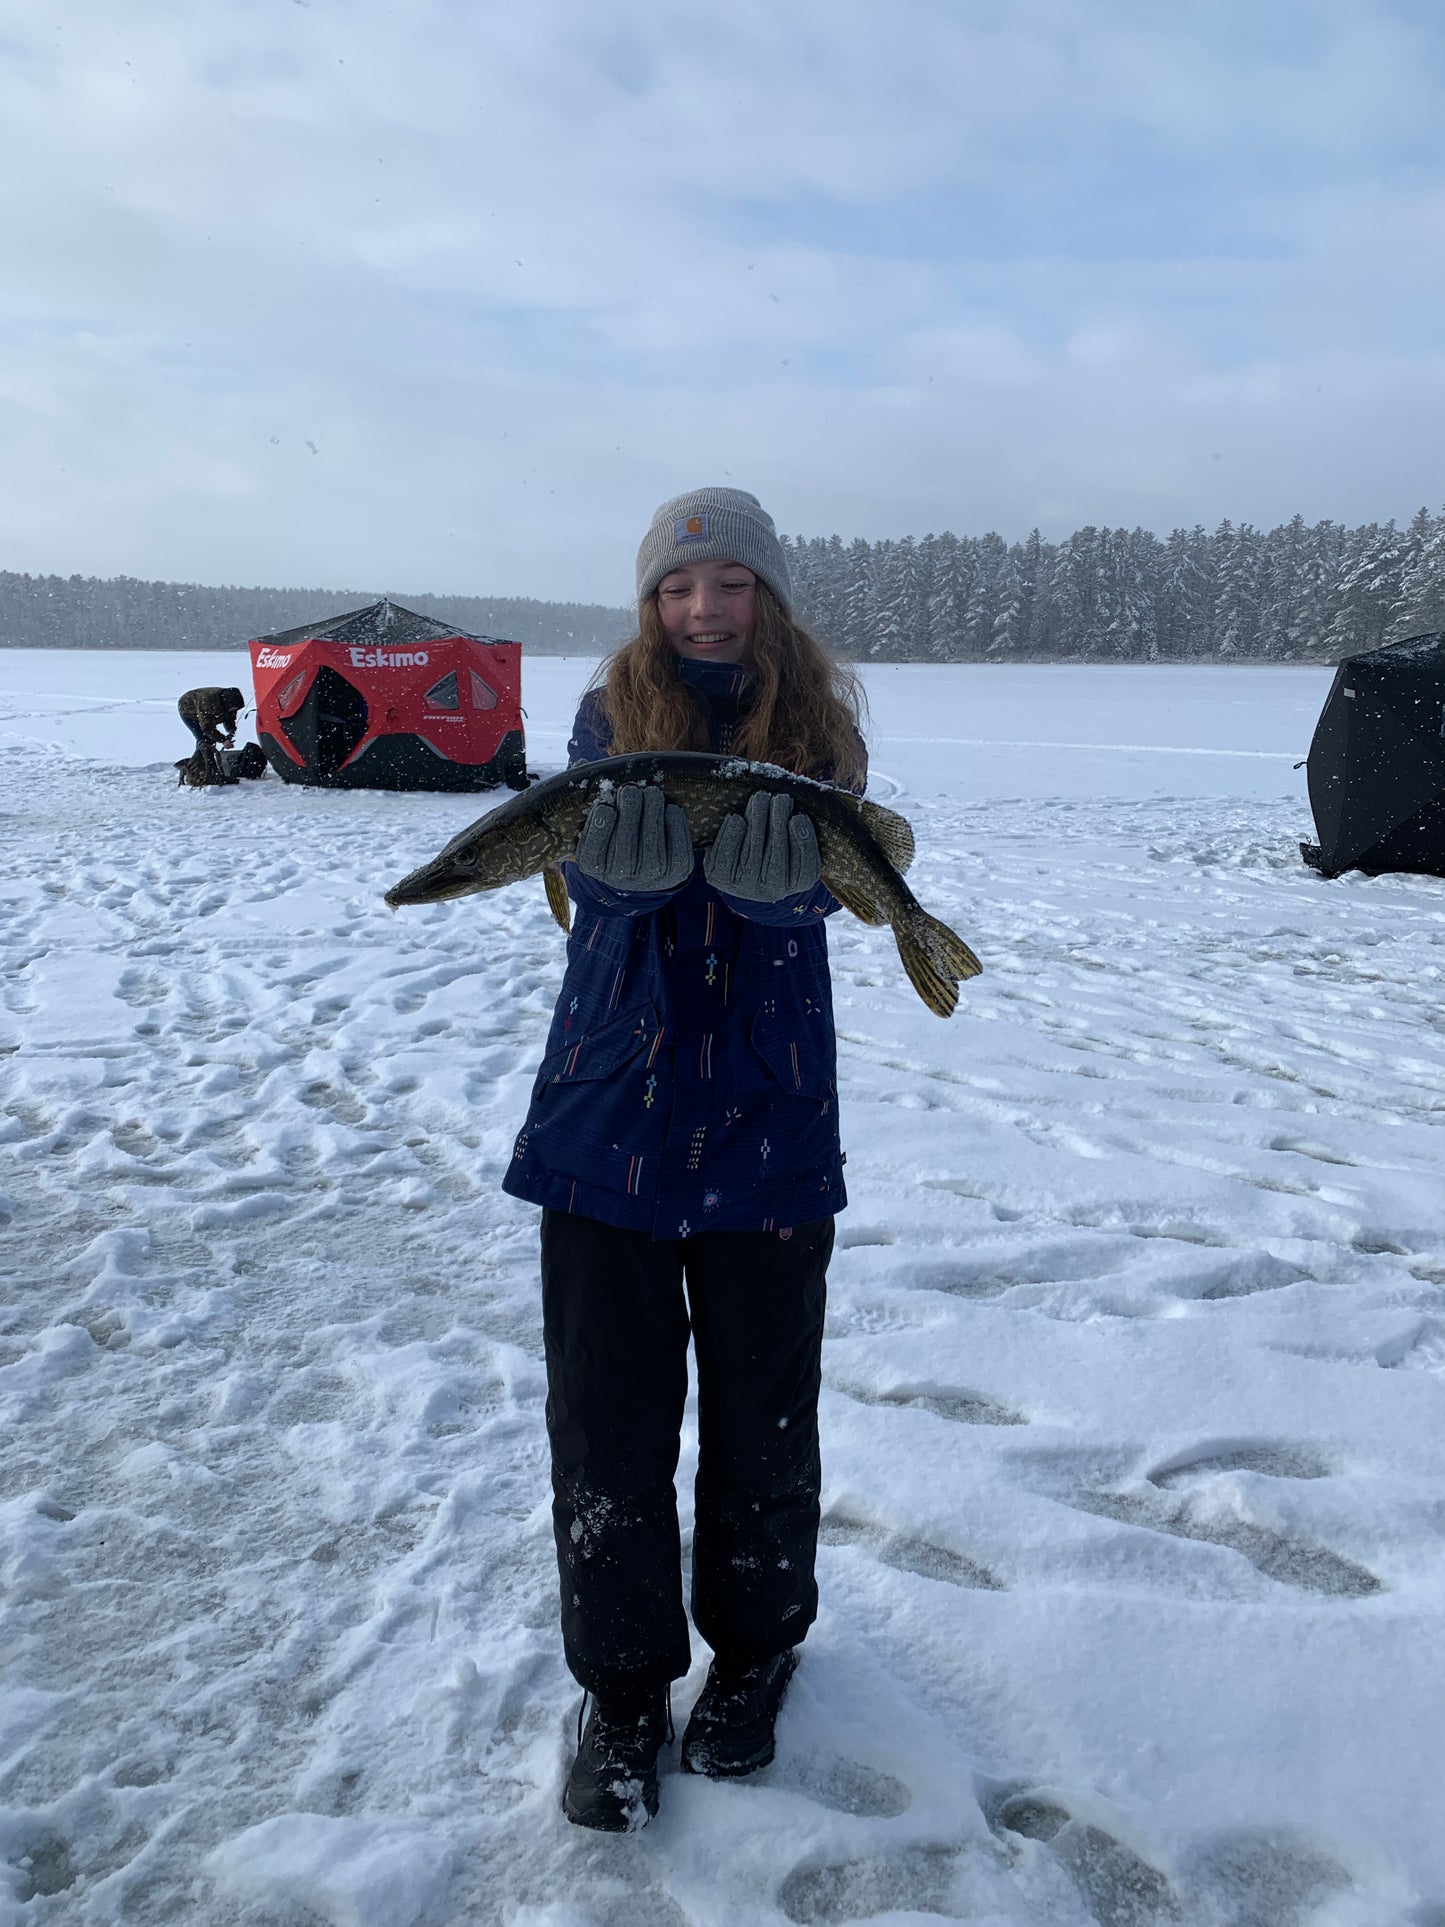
(690, 1077)
(864, 850)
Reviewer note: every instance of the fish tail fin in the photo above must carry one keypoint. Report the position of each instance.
(557, 900)
(936, 959)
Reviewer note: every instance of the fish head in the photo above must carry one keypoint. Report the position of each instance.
(480, 858)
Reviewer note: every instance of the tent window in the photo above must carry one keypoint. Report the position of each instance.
(289, 693)
(483, 694)
(443, 694)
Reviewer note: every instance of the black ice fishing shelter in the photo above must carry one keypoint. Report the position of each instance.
(1377, 763)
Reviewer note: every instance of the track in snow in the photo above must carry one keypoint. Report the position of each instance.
(1132, 1548)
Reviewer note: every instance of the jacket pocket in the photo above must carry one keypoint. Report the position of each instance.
(599, 1053)
(600, 1108)
(804, 1064)
(800, 1117)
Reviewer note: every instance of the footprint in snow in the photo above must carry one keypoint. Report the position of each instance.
(1111, 1885)
(649, 1908)
(1375, 1244)
(1422, 1350)
(957, 1280)
(905, 1553)
(1251, 1272)
(1179, 1506)
(1119, 1888)
(920, 1881)
(1053, 1261)
(865, 1234)
(1289, 1562)
(1272, 1878)
(960, 1407)
(1270, 1458)
(46, 1868)
(844, 1786)
(1308, 1148)
(140, 988)
(342, 1106)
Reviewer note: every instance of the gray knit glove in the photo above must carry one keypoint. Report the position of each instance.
(635, 840)
(765, 854)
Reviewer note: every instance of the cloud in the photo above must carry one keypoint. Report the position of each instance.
(520, 274)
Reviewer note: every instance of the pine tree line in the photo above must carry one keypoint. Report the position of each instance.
(1297, 593)
(1302, 592)
(87, 612)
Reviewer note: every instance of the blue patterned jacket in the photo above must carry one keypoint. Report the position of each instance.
(690, 1077)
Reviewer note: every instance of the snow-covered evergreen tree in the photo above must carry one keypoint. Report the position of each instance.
(1185, 598)
(990, 555)
(1133, 631)
(1420, 607)
(948, 599)
(1009, 640)
(901, 600)
(1236, 590)
(1282, 589)
(1366, 589)
(1074, 588)
(859, 615)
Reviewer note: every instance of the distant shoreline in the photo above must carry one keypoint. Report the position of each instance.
(854, 662)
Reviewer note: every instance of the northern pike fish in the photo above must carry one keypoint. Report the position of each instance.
(864, 848)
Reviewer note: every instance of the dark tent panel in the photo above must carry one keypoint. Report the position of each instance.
(329, 725)
(1377, 763)
(382, 698)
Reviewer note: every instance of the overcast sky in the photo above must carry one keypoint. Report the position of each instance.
(447, 295)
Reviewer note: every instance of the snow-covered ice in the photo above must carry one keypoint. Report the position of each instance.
(1134, 1538)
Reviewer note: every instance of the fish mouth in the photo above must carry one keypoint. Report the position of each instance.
(428, 885)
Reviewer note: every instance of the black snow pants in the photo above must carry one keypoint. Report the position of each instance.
(617, 1308)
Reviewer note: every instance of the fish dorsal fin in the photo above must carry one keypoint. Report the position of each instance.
(892, 832)
(557, 900)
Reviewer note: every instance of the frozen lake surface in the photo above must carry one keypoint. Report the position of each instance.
(1133, 1569)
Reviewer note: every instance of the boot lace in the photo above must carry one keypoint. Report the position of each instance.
(582, 1715)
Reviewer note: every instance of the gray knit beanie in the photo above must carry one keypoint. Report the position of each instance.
(713, 525)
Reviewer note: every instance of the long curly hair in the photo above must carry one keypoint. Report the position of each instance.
(806, 709)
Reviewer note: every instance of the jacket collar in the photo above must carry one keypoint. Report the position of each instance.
(714, 679)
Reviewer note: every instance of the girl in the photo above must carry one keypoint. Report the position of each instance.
(683, 1143)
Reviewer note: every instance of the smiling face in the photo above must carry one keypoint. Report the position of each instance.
(708, 610)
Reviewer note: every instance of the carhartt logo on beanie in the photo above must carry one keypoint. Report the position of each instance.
(713, 525)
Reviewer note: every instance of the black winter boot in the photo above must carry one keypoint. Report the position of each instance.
(613, 1782)
(731, 1729)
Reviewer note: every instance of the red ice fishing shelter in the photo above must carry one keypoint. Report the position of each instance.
(385, 699)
